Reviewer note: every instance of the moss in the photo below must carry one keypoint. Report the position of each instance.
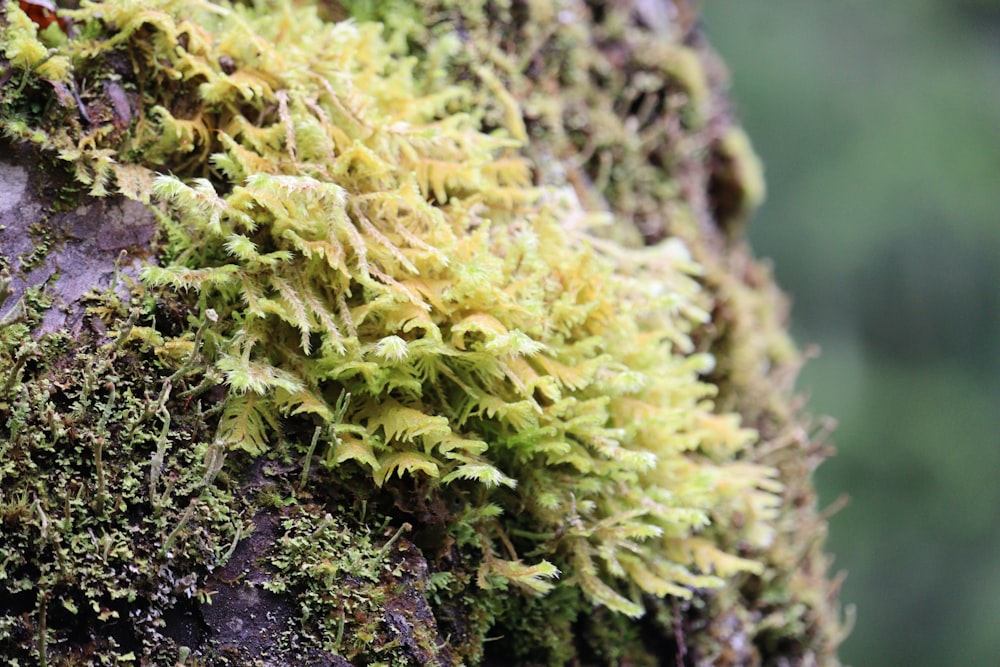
(463, 290)
(42, 242)
(110, 495)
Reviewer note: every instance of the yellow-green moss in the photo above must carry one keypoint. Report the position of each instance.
(416, 262)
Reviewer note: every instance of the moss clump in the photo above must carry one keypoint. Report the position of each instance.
(402, 295)
(112, 506)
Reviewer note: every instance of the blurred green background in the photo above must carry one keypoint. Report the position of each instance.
(879, 125)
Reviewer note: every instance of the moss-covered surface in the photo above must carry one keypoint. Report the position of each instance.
(451, 352)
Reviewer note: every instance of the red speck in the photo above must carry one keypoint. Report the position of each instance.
(44, 13)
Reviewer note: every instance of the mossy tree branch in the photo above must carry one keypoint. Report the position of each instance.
(447, 327)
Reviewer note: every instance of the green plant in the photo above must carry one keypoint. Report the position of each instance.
(375, 255)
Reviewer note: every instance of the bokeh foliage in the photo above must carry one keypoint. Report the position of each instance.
(878, 125)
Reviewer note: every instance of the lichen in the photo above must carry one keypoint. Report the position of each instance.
(425, 283)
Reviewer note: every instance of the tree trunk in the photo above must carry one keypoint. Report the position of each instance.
(430, 337)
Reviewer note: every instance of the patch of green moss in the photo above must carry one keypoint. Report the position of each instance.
(345, 577)
(363, 237)
(477, 276)
(42, 239)
(110, 495)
